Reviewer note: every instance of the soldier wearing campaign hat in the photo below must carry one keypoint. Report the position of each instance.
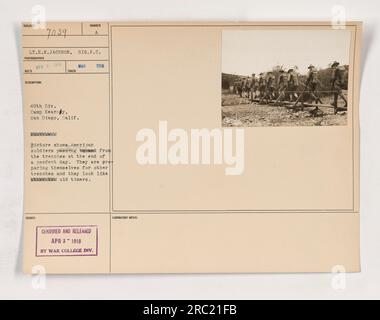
(336, 85)
(312, 78)
(311, 83)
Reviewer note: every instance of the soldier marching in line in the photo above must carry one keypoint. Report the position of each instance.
(282, 84)
(262, 85)
(270, 87)
(236, 85)
(242, 84)
(240, 87)
(253, 87)
(244, 87)
(293, 85)
(248, 88)
(287, 87)
(311, 83)
(336, 85)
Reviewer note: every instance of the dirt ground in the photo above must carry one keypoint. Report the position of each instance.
(238, 112)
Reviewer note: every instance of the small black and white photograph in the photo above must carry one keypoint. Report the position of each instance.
(296, 77)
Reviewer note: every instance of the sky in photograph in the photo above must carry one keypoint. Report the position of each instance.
(254, 51)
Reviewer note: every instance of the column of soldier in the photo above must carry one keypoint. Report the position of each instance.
(265, 89)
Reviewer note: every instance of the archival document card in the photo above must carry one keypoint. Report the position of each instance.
(191, 147)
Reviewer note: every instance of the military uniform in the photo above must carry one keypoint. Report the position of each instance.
(240, 87)
(311, 83)
(337, 84)
(244, 87)
(253, 87)
(248, 88)
(293, 84)
(282, 84)
(262, 85)
(312, 78)
(270, 87)
(236, 85)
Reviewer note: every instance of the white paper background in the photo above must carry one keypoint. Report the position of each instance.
(14, 284)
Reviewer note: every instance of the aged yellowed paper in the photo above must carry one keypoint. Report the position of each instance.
(191, 147)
